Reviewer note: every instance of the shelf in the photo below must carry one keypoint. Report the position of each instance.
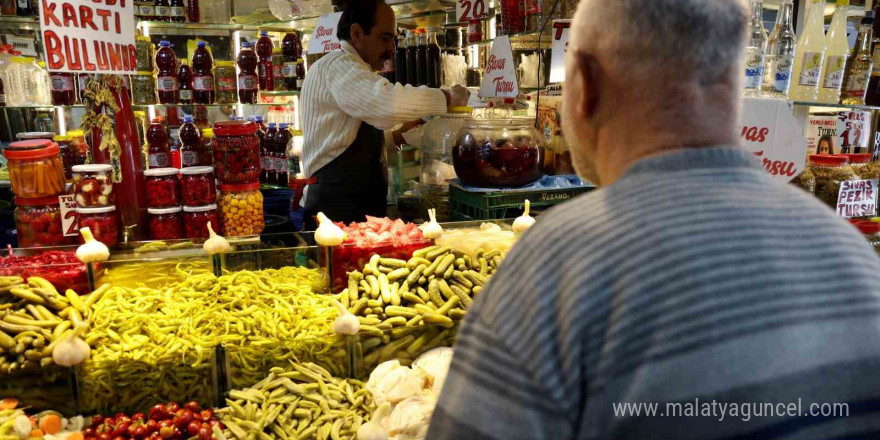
(524, 41)
(281, 93)
(854, 107)
(19, 23)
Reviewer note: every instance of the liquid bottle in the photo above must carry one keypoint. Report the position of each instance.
(412, 76)
(5, 60)
(809, 56)
(264, 68)
(300, 73)
(24, 8)
(44, 84)
(266, 158)
(422, 58)
(247, 75)
(203, 76)
(873, 95)
(291, 49)
(185, 77)
(190, 141)
(757, 47)
(261, 133)
(177, 12)
(163, 10)
(433, 61)
(858, 67)
(167, 84)
(192, 11)
(780, 54)
(278, 82)
(7, 7)
(279, 153)
(63, 90)
(2, 94)
(158, 152)
(400, 62)
(836, 54)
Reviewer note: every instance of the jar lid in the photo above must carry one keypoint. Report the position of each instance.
(91, 168)
(35, 135)
(866, 227)
(859, 158)
(213, 207)
(240, 187)
(21, 59)
(208, 132)
(32, 149)
(170, 210)
(98, 210)
(234, 128)
(48, 200)
(61, 138)
(196, 170)
(828, 159)
(142, 38)
(224, 63)
(145, 72)
(461, 109)
(75, 133)
(160, 172)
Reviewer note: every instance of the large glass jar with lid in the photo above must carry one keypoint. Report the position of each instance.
(439, 135)
(499, 152)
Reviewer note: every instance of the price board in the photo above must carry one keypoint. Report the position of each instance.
(558, 48)
(468, 10)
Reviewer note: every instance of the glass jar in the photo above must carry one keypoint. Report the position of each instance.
(93, 185)
(224, 76)
(439, 135)
(144, 51)
(35, 168)
(497, 153)
(862, 165)
(196, 218)
(38, 222)
(63, 90)
(197, 186)
(163, 187)
(830, 171)
(805, 181)
(206, 153)
(166, 223)
(871, 231)
(241, 209)
(68, 154)
(78, 143)
(143, 88)
(101, 221)
(236, 152)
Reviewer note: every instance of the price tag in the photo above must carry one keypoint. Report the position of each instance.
(324, 37)
(558, 49)
(853, 131)
(68, 215)
(468, 10)
(857, 198)
(769, 130)
(499, 79)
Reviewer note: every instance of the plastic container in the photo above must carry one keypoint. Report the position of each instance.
(35, 168)
(166, 223)
(166, 78)
(236, 152)
(63, 88)
(267, 165)
(863, 166)
(224, 75)
(93, 185)
(22, 85)
(830, 171)
(439, 135)
(38, 222)
(68, 154)
(871, 231)
(101, 221)
(277, 68)
(497, 153)
(291, 49)
(241, 209)
(163, 187)
(185, 76)
(279, 153)
(197, 186)
(196, 218)
(264, 66)
(158, 152)
(143, 88)
(190, 138)
(248, 81)
(203, 76)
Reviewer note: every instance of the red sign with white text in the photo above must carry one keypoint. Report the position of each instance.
(499, 78)
(769, 130)
(95, 36)
(324, 37)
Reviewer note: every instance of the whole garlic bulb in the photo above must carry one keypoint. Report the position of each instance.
(73, 350)
(524, 221)
(346, 323)
(432, 230)
(215, 244)
(92, 250)
(328, 234)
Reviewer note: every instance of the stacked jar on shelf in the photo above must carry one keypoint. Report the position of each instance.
(236, 150)
(95, 201)
(163, 202)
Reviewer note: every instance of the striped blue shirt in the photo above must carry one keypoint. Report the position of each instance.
(694, 278)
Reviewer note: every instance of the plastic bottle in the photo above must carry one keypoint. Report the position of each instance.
(247, 75)
(24, 8)
(168, 86)
(159, 150)
(21, 85)
(433, 61)
(300, 73)
(279, 153)
(190, 141)
(267, 175)
(412, 75)
(163, 10)
(264, 52)
(261, 133)
(422, 58)
(809, 56)
(192, 11)
(5, 61)
(44, 84)
(291, 49)
(185, 77)
(2, 94)
(400, 62)
(203, 76)
(177, 11)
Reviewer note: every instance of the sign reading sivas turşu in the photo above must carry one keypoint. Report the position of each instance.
(769, 130)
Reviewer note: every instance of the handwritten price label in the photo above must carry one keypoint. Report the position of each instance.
(467, 10)
(853, 128)
(558, 49)
(68, 215)
(499, 79)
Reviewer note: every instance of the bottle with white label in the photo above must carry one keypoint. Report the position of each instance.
(780, 54)
(757, 47)
(809, 56)
(859, 66)
(836, 53)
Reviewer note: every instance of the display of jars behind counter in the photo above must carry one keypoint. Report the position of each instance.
(102, 221)
(166, 223)
(35, 168)
(241, 209)
(236, 152)
(38, 222)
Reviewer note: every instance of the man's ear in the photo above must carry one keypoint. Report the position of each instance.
(591, 77)
(357, 32)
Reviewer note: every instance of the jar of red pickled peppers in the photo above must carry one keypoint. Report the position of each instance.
(93, 185)
(166, 223)
(163, 187)
(101, 221)
(197, 186)
(236, 152)
(196, 218)
(38, 222)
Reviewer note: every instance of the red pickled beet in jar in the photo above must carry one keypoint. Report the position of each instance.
(236, 152)
(38, 222)
(163, 187)
(247, 76)
(63, 89)
(168, 85)
(166, 223)
(197, 186)
(101, 221)
(196, 219)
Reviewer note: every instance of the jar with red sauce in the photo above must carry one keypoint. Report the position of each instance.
(163, 187)
(101, 221)
(236, 152)
(166, 223)
(93, 185)
(38, 222)
(197, 186)
(196, 218)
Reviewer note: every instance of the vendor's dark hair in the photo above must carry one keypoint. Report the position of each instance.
(362, 12)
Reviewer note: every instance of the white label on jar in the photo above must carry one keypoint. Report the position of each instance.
(168, 84)
(226, 84)
(267, 163)
(158, 160)
(146, 10)
(177, 11)
(62, 83)
(186, 95)
(163, 11)
(203, 83)
(189, 158)
(289, 70)
(247, 82)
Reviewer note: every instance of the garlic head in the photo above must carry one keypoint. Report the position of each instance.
(524, 221)
(411, 417)
(73, 350)
(92, 250)
(375, 428)
(431, 229)
(22, 426)
(215, 244)
(328, 234)
(346, 323)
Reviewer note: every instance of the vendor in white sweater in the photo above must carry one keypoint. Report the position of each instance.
(348, 112)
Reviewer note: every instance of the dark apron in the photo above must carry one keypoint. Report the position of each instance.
(353, 185)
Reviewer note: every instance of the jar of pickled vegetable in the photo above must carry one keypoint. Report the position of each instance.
(166, 223)
(101, 221)
(829, 171)
(236, 152)
(78, 142)
(93, 185)
(241, 209)
(197, 186)
(38, 222)
(143, 88)
(68, 154)
(206, 153)
(224, 75)
(196, 218)
(35, 168)
(163, 187)
(144, 51)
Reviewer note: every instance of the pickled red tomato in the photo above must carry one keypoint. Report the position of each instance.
(101, 221)
(38, 222)
(196, 218)
(236, 152)
(166, 223)
(197, 186)
(163, 187)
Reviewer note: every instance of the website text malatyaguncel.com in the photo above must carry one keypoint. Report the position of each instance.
(721, 410)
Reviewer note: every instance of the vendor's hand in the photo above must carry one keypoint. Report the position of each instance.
(398, 134)
(458, 96)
